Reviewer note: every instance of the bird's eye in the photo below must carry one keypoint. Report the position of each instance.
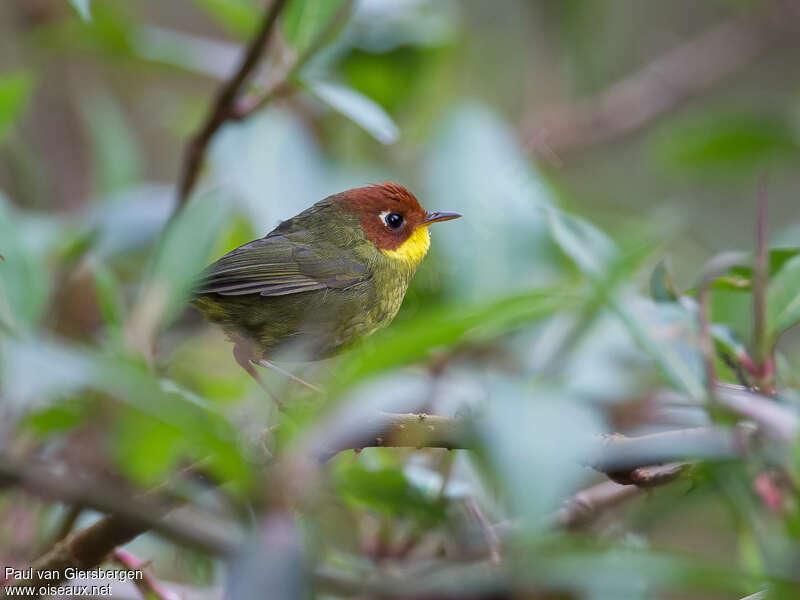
(393, 220)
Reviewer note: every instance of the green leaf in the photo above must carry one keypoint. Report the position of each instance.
(58, 417)
(109, 294)
(662, 286)
(146, 448)
(15, 89)
(740, 277)
(363, 111)
(726, 341)
(180, 258)
(450, 325)
(591, 249)
(83, 9)
(117, 157)
(25, 283)
(303, 20)
(237, 16)
(783, 298)
(387, 490)
(477, 166)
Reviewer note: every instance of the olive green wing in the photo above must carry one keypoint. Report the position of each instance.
(281, 264)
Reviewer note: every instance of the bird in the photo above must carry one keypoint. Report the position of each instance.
(321, 281)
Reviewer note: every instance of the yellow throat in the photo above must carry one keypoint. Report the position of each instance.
(413, 250)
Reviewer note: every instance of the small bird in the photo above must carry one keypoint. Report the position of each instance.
(322, 280)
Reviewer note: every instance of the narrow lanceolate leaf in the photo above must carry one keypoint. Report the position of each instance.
(662, 285)
(589, 248)
(15, 89)
(363, 111)
(83, 9)
(412, 341)
(182, 254)
(783, 298)
(304, 20)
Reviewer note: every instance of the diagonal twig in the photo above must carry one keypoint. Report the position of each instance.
(251, 103)
(222, 108)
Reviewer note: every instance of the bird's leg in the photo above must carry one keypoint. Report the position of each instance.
(244, 356)
(292, 376)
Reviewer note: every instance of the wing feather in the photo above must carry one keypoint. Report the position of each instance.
(282, 264)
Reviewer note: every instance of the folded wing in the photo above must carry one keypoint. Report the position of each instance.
(281, 264)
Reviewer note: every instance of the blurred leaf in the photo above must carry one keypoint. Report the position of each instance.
(303, 20)
(667, 333)
(476, 166)
(58, 417)
(115, 150)
(186, 51)
(271, 166)
(380, 27)
(363, 111)
(564, 428)
(662, 285)
(739, 278)
(237, 16)
(15, 89)
(36, 371)
(728, 141)
(178, 261)
(783, 298)
(591, 249)
(145, 448)
(388, 490)
(25, 282)
(82, 8)
(726, 341)
(130, 219)
(272, 564)
(109, 294)
(447, 326)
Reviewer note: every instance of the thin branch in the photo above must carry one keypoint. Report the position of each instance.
(492, 540)
(778, 421)
(585, 506)
(282, 84)
(129, 517)
(66, 524)
(761, 341)
(613, 455)
(222, 108)
(149, 585)
(662, 85)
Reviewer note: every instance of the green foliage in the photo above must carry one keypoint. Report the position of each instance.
(537, 326)
(304, 20)
(15, 89)
(783, 298)
(361, 110)
(388, 490)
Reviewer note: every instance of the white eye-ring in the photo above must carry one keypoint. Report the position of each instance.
(392, 220)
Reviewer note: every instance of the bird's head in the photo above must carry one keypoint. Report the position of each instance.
(393, 220)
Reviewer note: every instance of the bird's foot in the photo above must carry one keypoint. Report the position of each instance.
(245, 359)
(292, 376)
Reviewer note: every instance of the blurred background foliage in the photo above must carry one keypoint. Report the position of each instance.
(563, 305)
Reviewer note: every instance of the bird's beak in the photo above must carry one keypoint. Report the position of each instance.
(436, 216)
